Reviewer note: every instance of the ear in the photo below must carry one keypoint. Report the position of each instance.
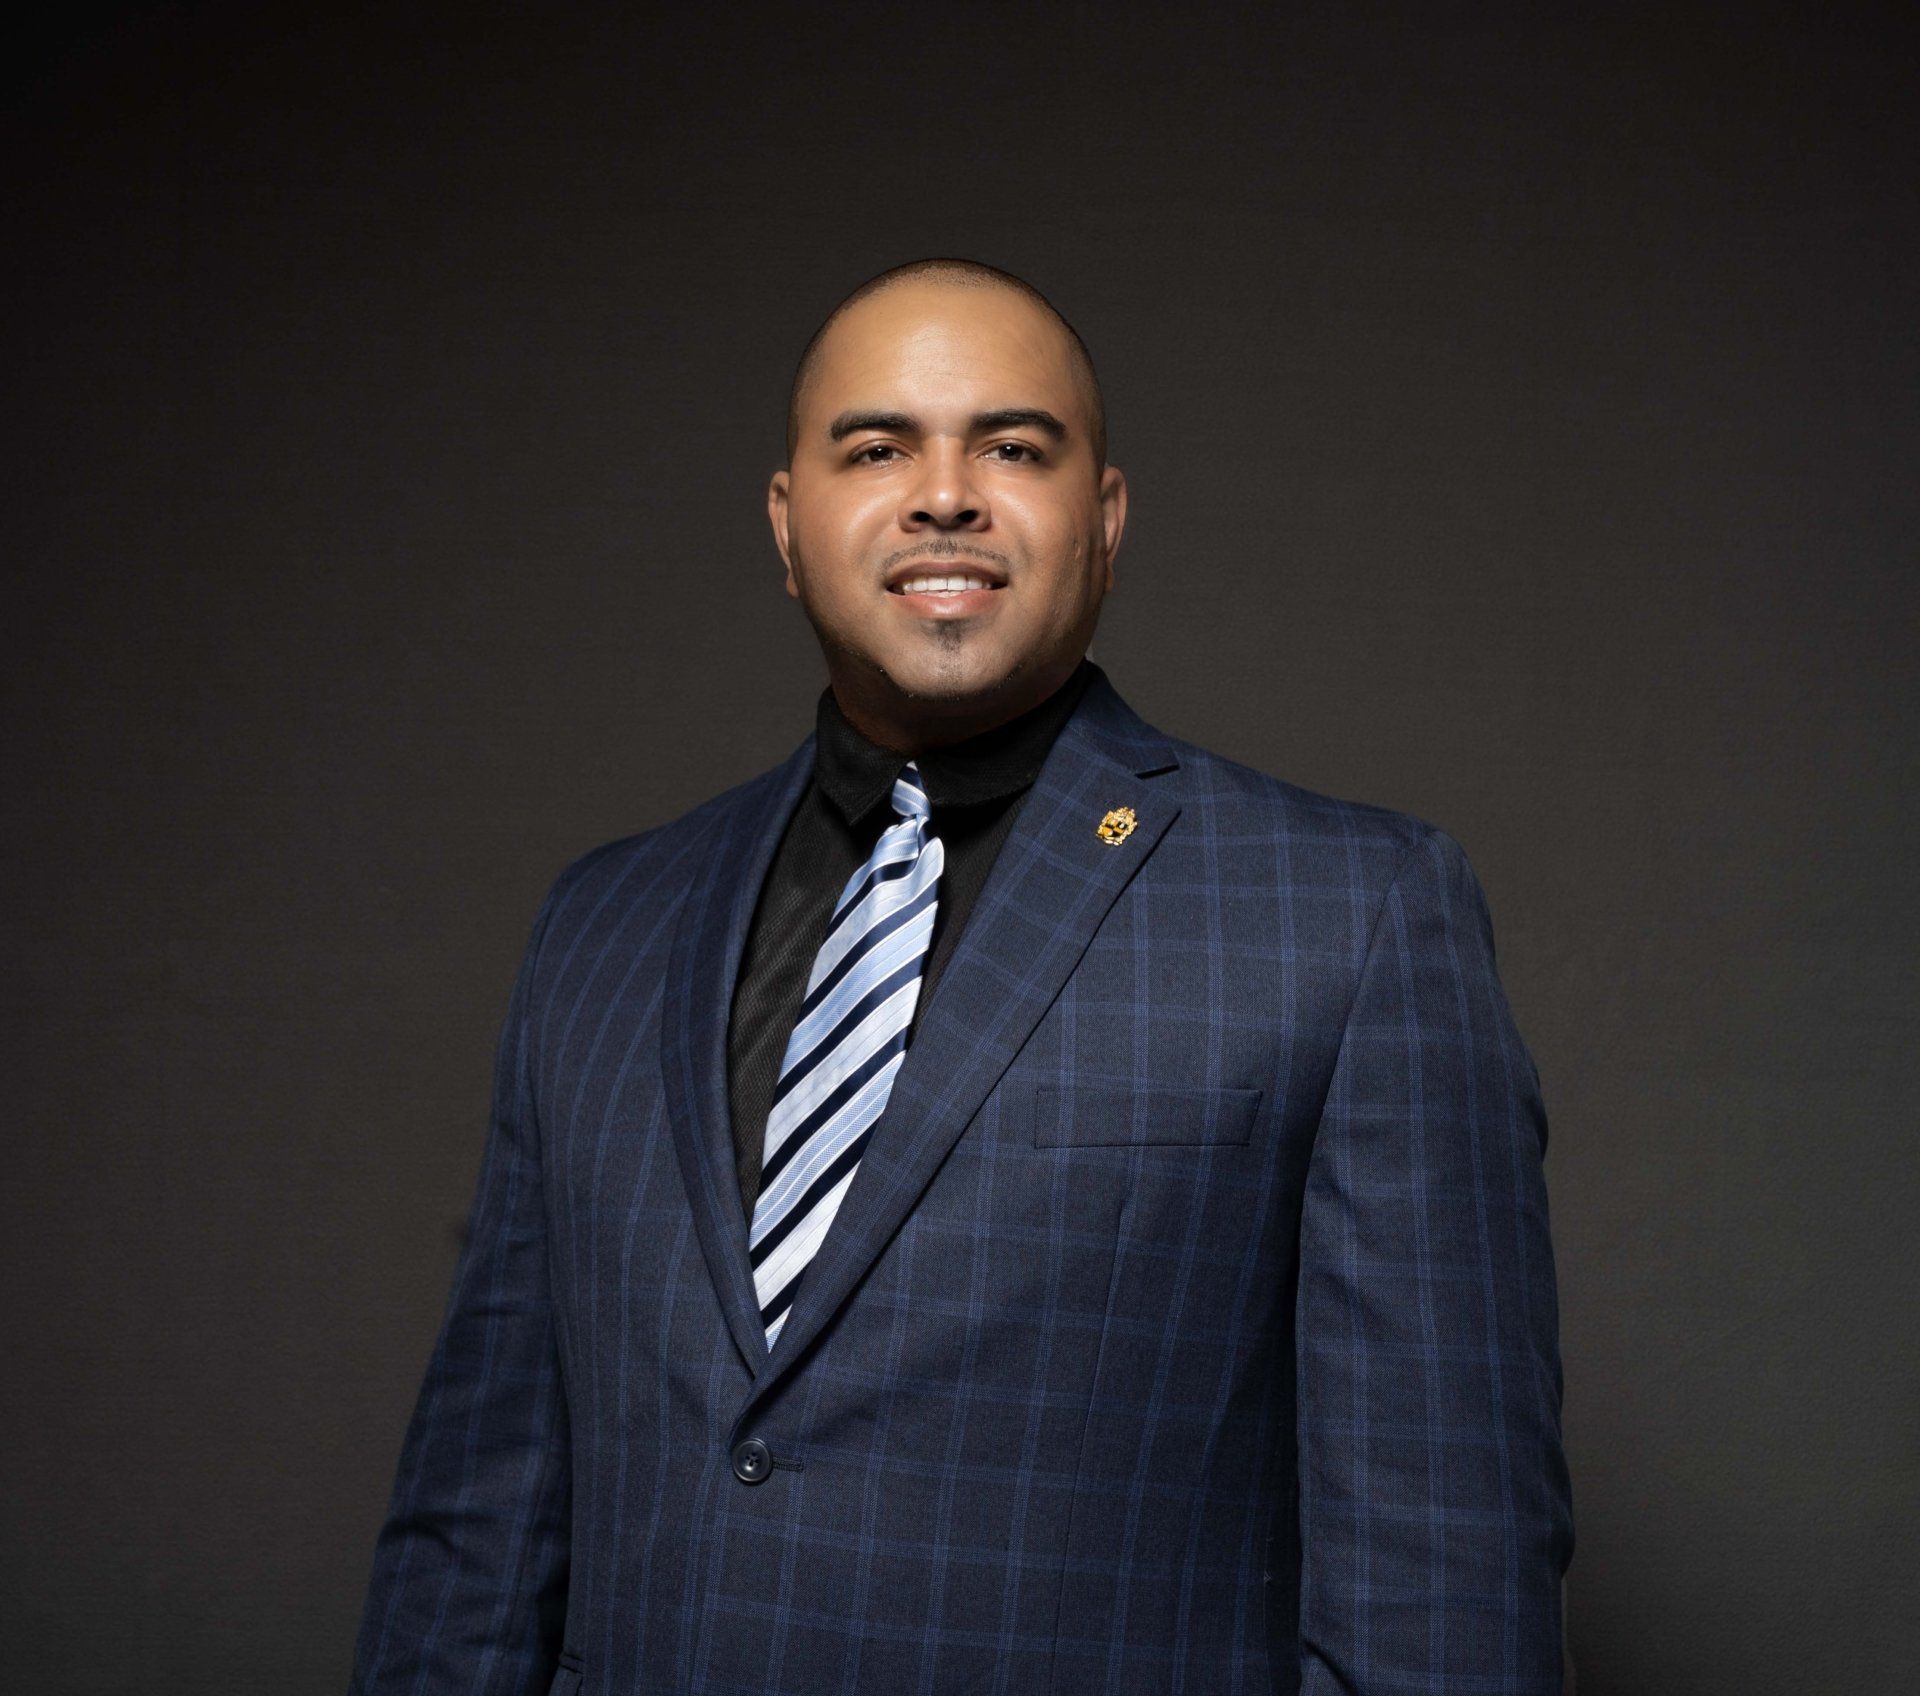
(1113, 512)
(778, 516)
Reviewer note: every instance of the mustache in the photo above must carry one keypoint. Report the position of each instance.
(946, 548)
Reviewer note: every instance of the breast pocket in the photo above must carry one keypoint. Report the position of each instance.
(1132, 1116)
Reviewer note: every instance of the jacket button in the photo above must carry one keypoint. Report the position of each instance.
(752, 1460)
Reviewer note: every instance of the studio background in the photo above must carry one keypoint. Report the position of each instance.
(1520, 415)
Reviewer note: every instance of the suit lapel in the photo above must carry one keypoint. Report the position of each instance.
(709, 938)
(1053, 882)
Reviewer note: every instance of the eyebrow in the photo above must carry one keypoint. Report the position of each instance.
(904, 423)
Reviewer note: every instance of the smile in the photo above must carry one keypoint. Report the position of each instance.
(953, 584)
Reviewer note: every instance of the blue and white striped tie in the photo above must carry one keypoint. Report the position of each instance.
(845, 1049)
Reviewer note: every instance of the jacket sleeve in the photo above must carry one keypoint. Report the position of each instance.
(468, 1592)
(1435, 1515)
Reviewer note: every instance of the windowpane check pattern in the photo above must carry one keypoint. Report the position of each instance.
(846, 1046)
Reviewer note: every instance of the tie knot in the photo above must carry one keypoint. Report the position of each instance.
(910, 794)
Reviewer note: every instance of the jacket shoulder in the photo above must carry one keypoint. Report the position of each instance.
(1333, 861)
(1243, 798)
(658, 857)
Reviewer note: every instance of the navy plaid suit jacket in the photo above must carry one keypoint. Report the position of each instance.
(1189, 1324)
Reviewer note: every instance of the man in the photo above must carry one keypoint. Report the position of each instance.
(1006, 1200)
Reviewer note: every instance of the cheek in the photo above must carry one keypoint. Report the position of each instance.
(1057, 540)
(844, 531)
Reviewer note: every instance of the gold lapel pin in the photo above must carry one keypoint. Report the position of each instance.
(1116, 826)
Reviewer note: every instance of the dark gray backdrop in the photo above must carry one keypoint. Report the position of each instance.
(1521, 421)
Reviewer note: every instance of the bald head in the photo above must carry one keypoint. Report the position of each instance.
(958, 274)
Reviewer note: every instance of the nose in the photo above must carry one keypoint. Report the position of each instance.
(943, 495)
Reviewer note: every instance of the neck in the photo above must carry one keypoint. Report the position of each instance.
(911, 725)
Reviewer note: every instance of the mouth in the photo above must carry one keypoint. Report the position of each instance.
(938, 590)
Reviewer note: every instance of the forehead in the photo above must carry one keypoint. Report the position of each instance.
(924, 345)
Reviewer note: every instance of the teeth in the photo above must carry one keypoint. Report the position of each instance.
(942, 585)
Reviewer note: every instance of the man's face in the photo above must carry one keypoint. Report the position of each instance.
(928, 448)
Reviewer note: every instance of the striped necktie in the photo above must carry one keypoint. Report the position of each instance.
(845, 1048)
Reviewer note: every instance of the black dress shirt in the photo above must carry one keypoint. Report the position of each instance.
(974, 787)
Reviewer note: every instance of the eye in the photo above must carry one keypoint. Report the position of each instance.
(859, 455)
(1020, 451)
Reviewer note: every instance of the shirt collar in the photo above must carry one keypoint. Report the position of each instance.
(858, 775)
